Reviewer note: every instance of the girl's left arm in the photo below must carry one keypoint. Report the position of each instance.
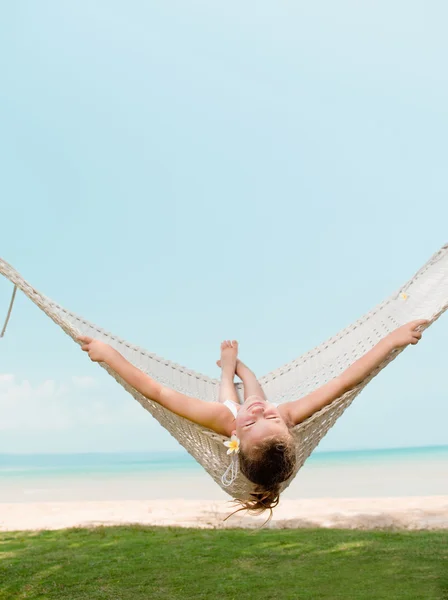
(305, 407)
(207, 414)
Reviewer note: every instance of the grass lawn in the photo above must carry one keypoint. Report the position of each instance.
(150, 563)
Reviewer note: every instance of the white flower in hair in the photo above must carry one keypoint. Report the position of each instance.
(233, 445)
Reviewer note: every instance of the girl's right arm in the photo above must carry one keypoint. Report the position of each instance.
(206, 414)
(305, 407)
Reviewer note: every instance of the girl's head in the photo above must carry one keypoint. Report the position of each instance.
(267, 454)
(258, 420)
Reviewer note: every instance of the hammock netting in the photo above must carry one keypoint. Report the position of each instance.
(425, 296)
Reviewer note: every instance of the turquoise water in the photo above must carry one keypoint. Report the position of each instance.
(23, 466)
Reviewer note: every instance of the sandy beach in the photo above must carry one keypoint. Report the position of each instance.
(407, 513)
(405, 492)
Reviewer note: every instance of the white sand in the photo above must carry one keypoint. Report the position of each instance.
(405, 494)
(409, 513)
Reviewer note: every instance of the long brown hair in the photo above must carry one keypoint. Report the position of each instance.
(272, 463)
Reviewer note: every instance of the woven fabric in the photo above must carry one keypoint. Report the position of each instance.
(424, 296)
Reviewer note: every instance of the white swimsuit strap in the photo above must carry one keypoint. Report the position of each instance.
(231, 406)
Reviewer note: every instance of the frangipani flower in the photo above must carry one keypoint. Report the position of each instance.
(233, 445)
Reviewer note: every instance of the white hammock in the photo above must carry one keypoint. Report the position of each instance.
(425, 296)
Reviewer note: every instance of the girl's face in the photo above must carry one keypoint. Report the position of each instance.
(257, 420)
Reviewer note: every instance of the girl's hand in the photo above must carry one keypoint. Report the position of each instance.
(98, 351)
(407, 334)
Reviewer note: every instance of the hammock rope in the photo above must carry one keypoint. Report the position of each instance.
(424, 296)
(13, 297)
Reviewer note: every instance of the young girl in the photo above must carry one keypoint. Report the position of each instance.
(261, 431)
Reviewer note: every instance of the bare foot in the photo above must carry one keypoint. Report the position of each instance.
(229, 354)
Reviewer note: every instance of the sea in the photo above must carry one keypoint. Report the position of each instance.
(421, 471)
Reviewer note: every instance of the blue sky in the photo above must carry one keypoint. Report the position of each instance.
(184, 172)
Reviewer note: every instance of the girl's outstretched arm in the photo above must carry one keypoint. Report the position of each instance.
(207, 414)
(301, 409)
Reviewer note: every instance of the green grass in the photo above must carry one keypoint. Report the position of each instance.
(165, 563)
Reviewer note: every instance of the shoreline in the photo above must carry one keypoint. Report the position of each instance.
(407, 513)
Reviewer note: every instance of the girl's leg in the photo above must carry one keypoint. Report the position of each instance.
(229, 353)
(250, 382)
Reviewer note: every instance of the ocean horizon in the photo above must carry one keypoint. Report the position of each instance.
(409, 471)
(84, 463)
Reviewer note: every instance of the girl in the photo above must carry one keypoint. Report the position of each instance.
(261, 431)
